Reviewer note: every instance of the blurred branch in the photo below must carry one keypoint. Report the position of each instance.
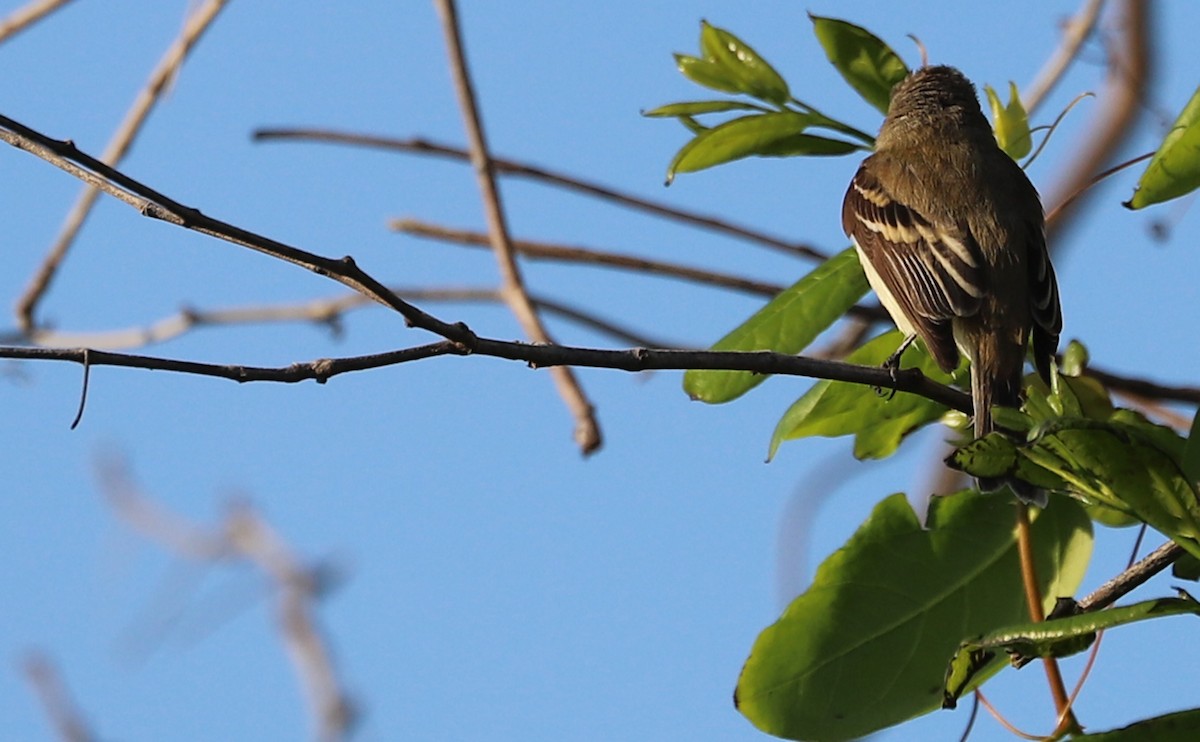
(1144, 388)
(587, 430)
(327, 311)
(1119, 104)
(117, 148)
(1075, 32)
(298, 588)
(22, 18)
(421, 146)
(62, 712)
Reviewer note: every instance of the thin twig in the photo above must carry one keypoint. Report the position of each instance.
(1005, 722)
(22, 18)
(421, 146)
(83, 391)
(587, 430)
(1093, 181)
(117, 148)
(575, 254)
(1133, 577)
(1076, 31)
(1094, 650)
(62, 712)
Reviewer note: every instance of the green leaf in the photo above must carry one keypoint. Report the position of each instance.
(1186, 567)
(1059, 637)
(776, 134)
(787, 324)
(741, 64)
(1191, 452)
(865, 646)
(1075, 359)
(1181, 726)
(700, 107)
(878, 421)
(1131, 467)
(1010, 122)
(997, 456)
(707, 73)
(868, 64)
(1175, 168)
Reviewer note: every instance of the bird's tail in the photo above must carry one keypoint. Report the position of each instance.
(997, 374)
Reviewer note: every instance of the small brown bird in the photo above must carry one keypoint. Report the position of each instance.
(951, 235)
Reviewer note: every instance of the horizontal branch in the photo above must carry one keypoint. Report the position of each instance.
(1143, 387)
(319, 370)
(575, 254)
(536, 356)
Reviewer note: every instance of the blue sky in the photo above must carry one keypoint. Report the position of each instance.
(497, 585)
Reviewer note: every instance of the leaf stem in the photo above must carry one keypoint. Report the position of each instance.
(830, 123)
(1067, 722)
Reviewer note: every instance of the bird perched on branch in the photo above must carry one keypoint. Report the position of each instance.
(951, 235)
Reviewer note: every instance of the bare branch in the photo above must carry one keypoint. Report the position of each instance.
(575, 254)
(1075, 32)
(116, 150)
(320, 370)
(587, 430)
(149, 202)
(1143, 387)
(636, 359)
(1136, 575)
(64, 716)
(22, 18)
(326, 311)
(421, 146)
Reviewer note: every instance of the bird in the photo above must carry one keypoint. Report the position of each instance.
(951, 235)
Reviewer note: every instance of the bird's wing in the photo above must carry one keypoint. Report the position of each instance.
(933, 273)
(1047, 313)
